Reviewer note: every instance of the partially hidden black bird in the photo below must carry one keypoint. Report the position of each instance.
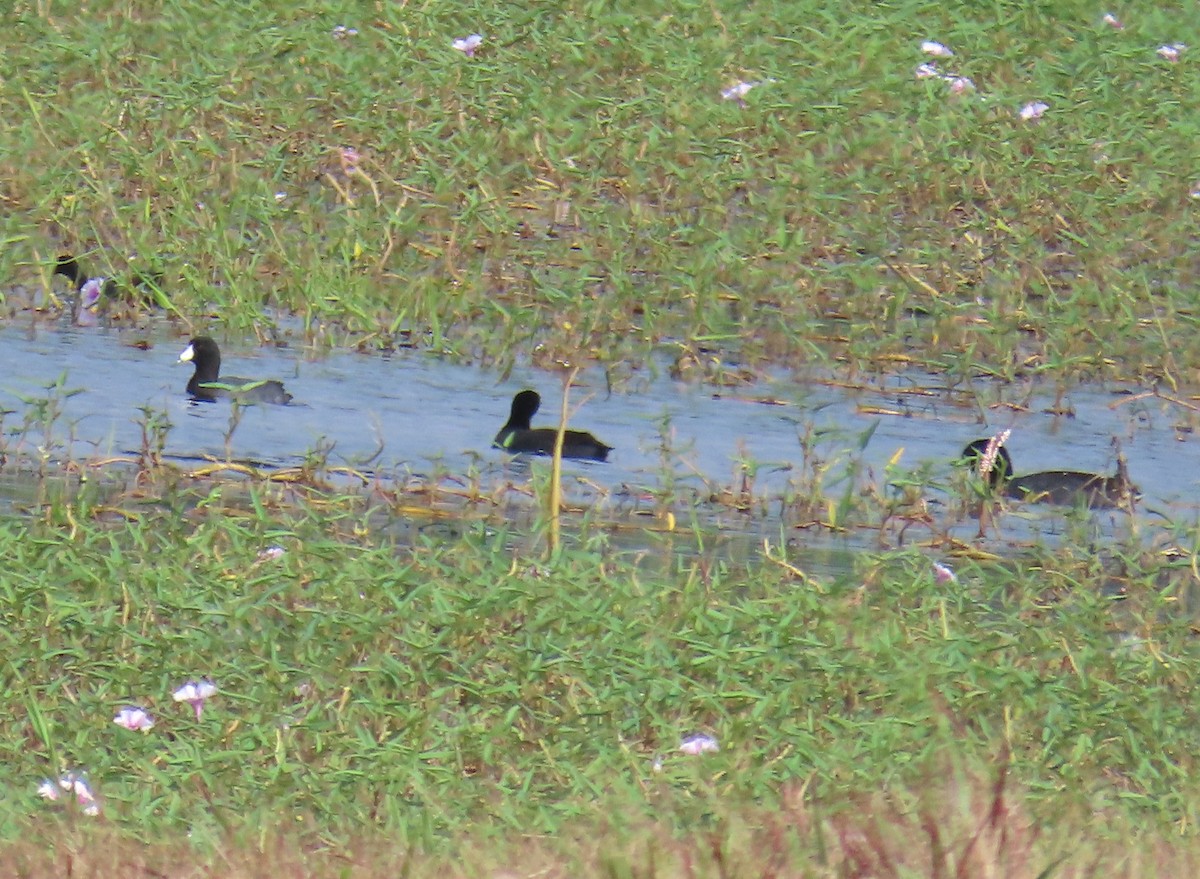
(518, 436)
(96, 293)
(89, 291)
(207, 384)
(1065, 487)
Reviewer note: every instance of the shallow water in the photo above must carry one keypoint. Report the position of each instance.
(413, 413)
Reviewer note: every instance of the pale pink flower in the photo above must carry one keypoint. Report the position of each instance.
(1112, 21)
(1034, 110)
(341, 32)
(1171, 51)
(943, 574)
(195, 693)
(960, 85)
(988, 460)
(698, 743)
(936, 50)
(468, 45)
(84, 796)
(271, 553)
(737, 91)
(350, 159)
(1195, 193)
(927, 70)
(89, 293)
(72, 783)
(133, 718)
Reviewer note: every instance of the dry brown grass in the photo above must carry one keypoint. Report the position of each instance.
(958, 827)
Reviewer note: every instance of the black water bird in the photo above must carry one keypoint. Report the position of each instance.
(207, 384)
(1065, 487)
(89, 292)
(518, 436)
(97, 293)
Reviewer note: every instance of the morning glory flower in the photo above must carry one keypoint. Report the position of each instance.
(350, 158)
(738, 91)
(468, 45)
(698, 743)
(1034, 110)
(936, 49)
(83, 795)
(134, 718)
(71, 783)
(943, 573)
(1112, 21)
(1171, 51)
(89, 293)
(927, 70)
(195, 693)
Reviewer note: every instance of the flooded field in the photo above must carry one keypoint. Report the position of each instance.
(737, 457)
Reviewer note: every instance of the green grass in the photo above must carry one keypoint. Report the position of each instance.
(580, 186)
(579, 192)
(416, 691)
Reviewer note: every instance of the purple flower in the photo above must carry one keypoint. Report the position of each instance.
(1171, 51)
(72, 783)
(935, 49)
(960, 85)
(350, 159)
(89, 293)
(737, 91)
(195, 693)
(943, 573)
(468, 45)
(133, 718)
(698, 743)
(271, 553)
(1034, 110)
(84, 796)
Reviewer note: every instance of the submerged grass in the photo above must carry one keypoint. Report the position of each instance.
(579, 189)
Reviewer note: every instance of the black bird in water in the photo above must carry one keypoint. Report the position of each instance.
(1066, 487)
(94, 294)
(518, 436)
(207, 384)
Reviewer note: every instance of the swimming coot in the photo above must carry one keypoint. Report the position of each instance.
(207, 383)
(518, 436)
(1066, 487)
